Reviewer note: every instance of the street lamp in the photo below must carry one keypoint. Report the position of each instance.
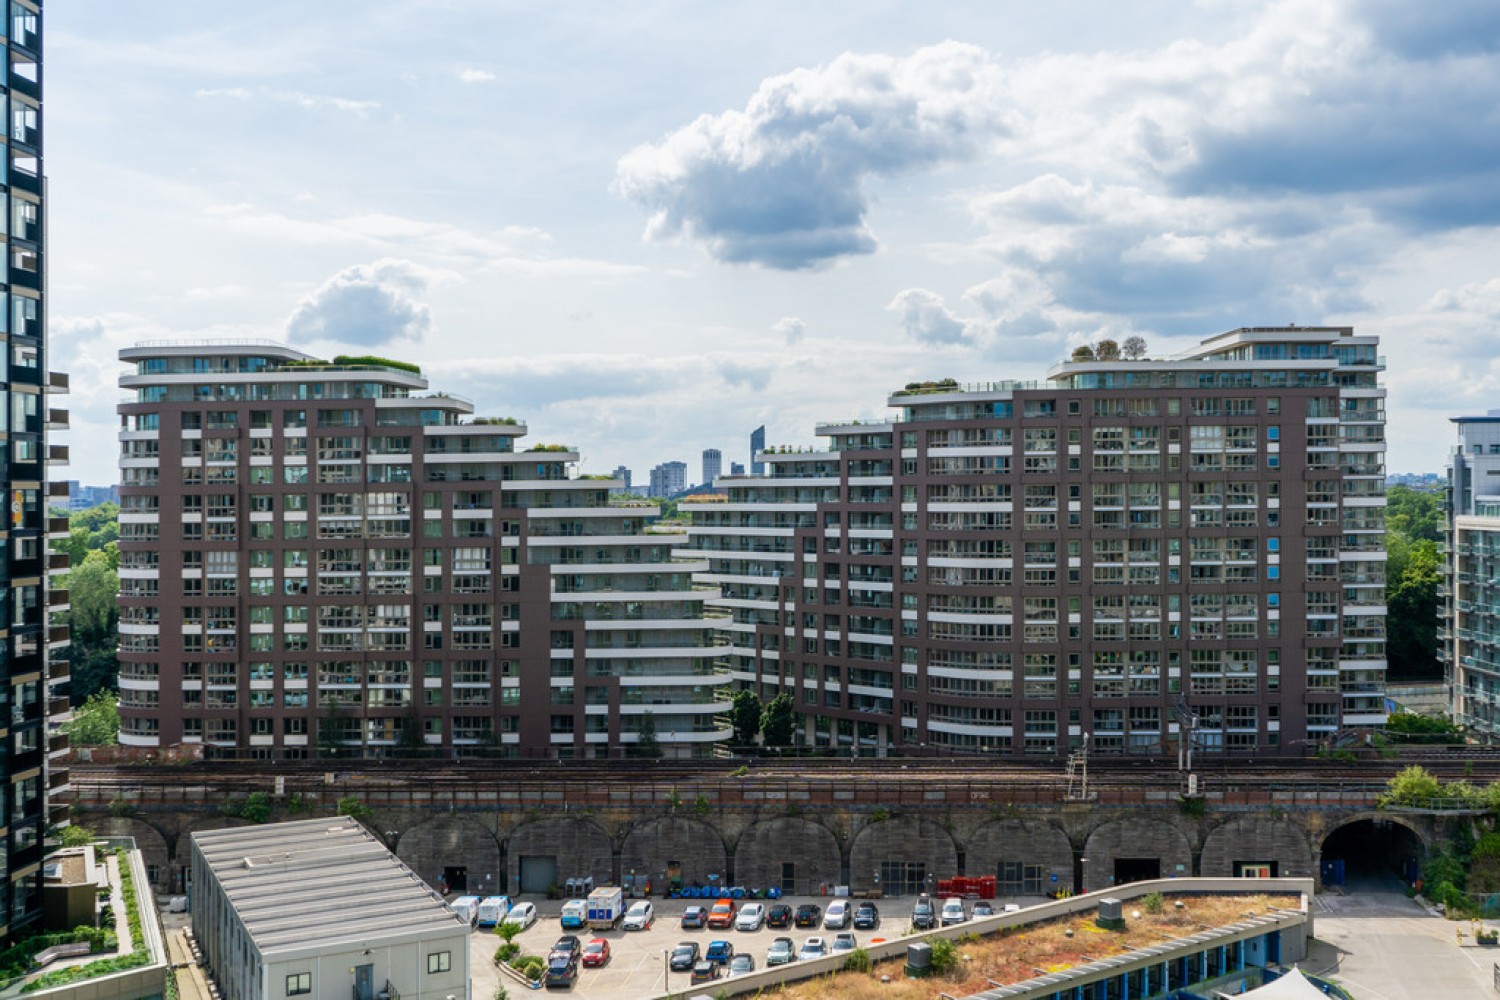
(666, 972)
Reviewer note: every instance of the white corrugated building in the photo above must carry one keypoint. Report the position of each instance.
(320, 909)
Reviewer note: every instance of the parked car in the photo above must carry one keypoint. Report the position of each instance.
(741, 963)
(694, 916)
(866, 916)
(782, 951)
(836, 917)
(575, 913)
(705, 972)
(562, 970)
(1011, 908)
(923, 916)
(953, 912)
(752, 915)
(568, 944)
(719, 952)
(596, 953)
(813, 947)
(522, 915)
(684, 956)
(808, 915)
(982, 909)
(721, 915)
(844, 941)
(779, 915)
(640, 916)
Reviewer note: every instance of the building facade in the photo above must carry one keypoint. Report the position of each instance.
(1470, 593)
(757, 445)
(35, 665)
(324, 557)
(668, 479)
(713, 465)
(1122, 551)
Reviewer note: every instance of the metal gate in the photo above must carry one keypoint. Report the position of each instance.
(1015, 878)
(538, 872)
(903, 878)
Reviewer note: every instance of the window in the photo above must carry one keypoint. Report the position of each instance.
(439, 961)
(300, 982)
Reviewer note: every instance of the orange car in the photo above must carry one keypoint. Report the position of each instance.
(722, 914)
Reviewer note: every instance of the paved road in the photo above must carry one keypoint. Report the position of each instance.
(1384, 946)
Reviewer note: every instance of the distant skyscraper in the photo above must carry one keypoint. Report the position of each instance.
(736, 468)
(757, 445)
(668, 479)
(713, 465)
(623, 475)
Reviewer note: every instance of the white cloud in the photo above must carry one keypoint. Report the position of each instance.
(926, 318)
(476, 75)
(790, 328)
(295, 98)
(367, 304)
(781, 183)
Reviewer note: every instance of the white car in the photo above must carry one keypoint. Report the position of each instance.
(640, 916)
(522, 915)
(752, 916)
(953, 912)
(836, 917)
(813, 947)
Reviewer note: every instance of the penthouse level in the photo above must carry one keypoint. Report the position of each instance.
(1115, 555)
(327, 556)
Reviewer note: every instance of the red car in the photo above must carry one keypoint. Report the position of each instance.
(596, 953)
(721, 915)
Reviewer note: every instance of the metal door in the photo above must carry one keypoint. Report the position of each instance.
(364, 982)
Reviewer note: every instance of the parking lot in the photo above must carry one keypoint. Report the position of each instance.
(637, 967)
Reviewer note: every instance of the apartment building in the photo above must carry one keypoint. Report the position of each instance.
(35, 666)
(1107, 557)
(325, 557)
(1470, 592)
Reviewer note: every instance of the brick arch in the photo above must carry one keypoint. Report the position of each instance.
(1256, 839)
(1033, 843)
(156, 850)
(766, 846)
(1134, 837)
(453, 840)
(905, 839)
(580, 845)
(696, 847)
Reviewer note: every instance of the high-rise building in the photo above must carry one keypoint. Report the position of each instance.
(713, 465)
(325, 557)
(668, 479)
(1469, 645)
(757, 445)
(35, 665)
(1122, 552)
(623, 475)
(736, 468)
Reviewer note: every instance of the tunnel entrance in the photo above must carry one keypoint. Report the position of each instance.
(1372, 855)
(1136, 870)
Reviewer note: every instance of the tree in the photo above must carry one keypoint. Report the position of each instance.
(1134, 348)
(1107, 350)
(744, 716)
(409, 740)
(778, 722)
(96, 723)
(1412, 575)
(1083, 353)
(91, 530)
(1414, 514)
(646, 743)
(92, 585)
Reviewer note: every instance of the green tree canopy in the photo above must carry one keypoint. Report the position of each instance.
(744, 716)
(92, 585)
(646, 743)
(779, 721)
(1414, 514)
(95, 723)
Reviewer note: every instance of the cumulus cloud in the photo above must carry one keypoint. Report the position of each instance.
(781, 183)
(791, 328)
(925, 318)
(367, 304)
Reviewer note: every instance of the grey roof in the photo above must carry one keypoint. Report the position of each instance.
(293, 884)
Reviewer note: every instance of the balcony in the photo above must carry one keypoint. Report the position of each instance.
(57, 382)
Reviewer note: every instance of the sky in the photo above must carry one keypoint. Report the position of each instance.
(647, 228)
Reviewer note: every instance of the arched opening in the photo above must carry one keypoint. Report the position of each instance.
(1372, 855)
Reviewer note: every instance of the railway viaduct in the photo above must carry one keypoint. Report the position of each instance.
(894, 828)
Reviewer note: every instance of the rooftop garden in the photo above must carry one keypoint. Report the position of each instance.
(973, 964)
(356, 361)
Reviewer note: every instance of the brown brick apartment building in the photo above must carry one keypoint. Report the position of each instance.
(1105, 557)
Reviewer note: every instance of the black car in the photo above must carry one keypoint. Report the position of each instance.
(562, 970)
(684, 956)
(866, 917)
(809, 915)
(567, 946)
(694, 916)
(779, 915)
(983, 909)
(923, 916)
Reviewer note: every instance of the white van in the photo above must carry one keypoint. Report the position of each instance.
(466, 907)
(493, 910)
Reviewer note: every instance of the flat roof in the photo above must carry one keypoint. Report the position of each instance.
(323, 881)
